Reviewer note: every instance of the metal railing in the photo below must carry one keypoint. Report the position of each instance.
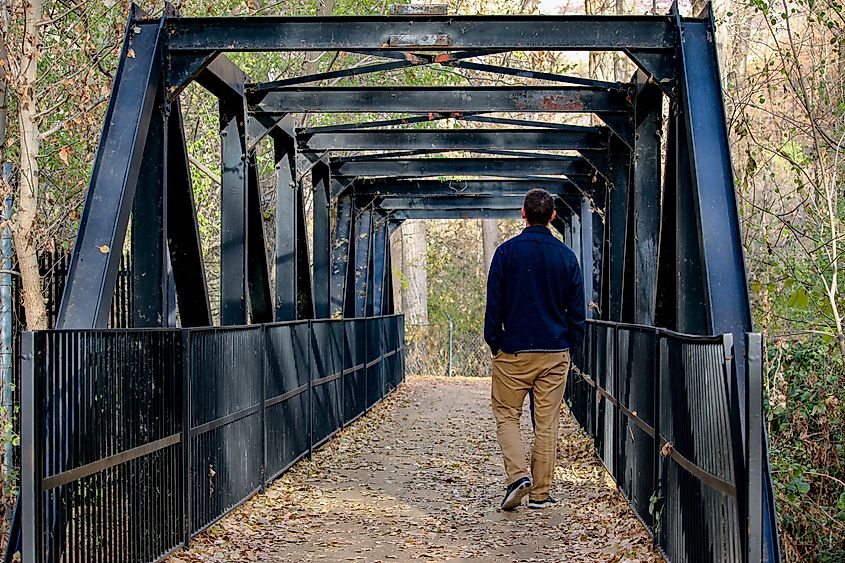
(136, 440)
(660, 408)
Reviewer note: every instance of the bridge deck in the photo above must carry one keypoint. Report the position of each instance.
(419, 478)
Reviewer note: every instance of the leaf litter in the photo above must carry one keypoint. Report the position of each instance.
(420, 478)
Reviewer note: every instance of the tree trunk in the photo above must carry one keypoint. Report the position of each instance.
(414, 259)
(489, 240)
(24, 227)
(4, 91)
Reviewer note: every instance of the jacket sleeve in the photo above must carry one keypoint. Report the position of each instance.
(493, 316)
(575, 309)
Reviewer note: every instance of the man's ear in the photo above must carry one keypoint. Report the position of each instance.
(523, 213)
(554, 214)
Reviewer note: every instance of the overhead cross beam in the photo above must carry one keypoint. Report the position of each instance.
(499, 167)
(405, 99)
(456, 202)
(574, 138)
(435, 33)
(452, 189)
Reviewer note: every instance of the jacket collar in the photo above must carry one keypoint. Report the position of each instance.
(537, 229)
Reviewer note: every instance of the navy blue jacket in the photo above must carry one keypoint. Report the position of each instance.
(535, 295)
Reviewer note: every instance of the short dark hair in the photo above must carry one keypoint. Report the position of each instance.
(538, 207)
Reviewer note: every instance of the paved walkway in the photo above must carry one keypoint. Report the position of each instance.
(420, 478)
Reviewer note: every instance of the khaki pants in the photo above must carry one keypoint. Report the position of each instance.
(513, 376)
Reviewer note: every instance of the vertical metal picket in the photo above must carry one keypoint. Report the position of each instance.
(754, 448)
(615, 393)
(263, 410)
(187, 361)
(32, 470)
(658, 349)
(308, 353)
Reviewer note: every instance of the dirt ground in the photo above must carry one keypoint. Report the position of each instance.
(420, 478)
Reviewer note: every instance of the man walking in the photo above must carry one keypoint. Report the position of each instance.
(535, 313)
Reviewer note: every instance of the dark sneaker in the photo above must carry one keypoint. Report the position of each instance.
(515, 492)
(545, 503)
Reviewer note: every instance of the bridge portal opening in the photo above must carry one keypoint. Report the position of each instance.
(298, 335)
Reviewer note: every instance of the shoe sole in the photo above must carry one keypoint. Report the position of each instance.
(540, 506)
(515, 498)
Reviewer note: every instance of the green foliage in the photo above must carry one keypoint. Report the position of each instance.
(807, 447)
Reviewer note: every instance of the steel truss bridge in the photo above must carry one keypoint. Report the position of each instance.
(155, 431)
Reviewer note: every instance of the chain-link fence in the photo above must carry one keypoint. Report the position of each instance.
(440, 350)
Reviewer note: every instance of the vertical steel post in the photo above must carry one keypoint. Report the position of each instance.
(341, 245)
(643, 229)
(7, 360)
(586, 236)
(363, 253)
(321, 182)
(287, 217)
(264, 347)
(656, 398)
(666, 314)
(380, 272)
(309, 353)
(183, 229)
(233, 213)
(187, 401)
(150, 280)
(32, 454)
(258, 278)
(616, 216)
(754, 453)
(575, 236)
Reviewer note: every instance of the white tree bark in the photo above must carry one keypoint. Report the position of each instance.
(489, 240)
(24, 228)
(414, 260)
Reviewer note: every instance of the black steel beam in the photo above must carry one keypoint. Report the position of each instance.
(99, 242)
(259, 126)
(616, 215)
(451, 202)
(535, 75)
(183, 230)
(456, 188)
(222, 77)
(363, 260)
(450, 99)
(478, 118)
(575, 138)
(501, 167)
(287, 214)
(380, 272)
(343, 245)
(258, 277)
(233, 213)
(710, 176)
(406, 214)
(643, 229)
(385, 122)
(321, 249)
(183, 68)
(149, 226)
(425, 33)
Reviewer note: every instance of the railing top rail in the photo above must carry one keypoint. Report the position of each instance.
(104, 330)
(660, 331)
(203, 328)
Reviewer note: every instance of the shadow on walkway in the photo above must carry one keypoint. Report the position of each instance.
(420, 478)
